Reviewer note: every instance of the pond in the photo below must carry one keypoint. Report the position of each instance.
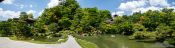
(118, 41)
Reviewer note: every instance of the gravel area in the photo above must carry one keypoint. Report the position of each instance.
(5, 42)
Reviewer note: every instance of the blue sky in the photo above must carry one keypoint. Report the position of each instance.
(12, 8)
(101, 4)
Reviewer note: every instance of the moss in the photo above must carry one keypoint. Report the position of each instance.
(86, 44)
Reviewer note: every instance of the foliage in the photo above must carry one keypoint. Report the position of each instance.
(5, 29)
(155, 25)
(53, 27)
(108, 28)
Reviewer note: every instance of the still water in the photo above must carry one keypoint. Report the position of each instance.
(119, 41)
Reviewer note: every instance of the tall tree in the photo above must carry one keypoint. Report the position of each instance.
(23, 16)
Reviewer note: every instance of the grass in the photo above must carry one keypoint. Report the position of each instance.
(85, 44)
(43, 40)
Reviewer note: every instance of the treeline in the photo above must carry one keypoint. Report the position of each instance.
(68, 17)
(155, 25)
(19, 27)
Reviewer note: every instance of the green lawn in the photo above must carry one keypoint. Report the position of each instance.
(85, 44)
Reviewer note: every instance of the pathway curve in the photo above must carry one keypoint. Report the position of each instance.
(5, 42)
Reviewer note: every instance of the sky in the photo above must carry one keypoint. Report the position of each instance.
(12, 8)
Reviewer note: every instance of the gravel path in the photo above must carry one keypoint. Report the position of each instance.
(7, 43)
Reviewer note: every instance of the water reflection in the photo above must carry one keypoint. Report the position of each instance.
(119, 41)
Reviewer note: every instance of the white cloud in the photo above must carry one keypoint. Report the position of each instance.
(40, 12)
(31, 6)
(35, 13)
(31, 11)
(53, 3)
(143, 6)
(142, 10)
(8, 1)
(120, 13)
(171, 7)
(1, 9)
(21, 6)
(131, 5)
(5, 14)
(142, 3)
(159, 3)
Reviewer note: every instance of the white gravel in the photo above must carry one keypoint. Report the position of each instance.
(5, 42)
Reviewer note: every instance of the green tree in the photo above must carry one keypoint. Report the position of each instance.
(53, 27)
(5, 29)
(64, 23)
(23, 16)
